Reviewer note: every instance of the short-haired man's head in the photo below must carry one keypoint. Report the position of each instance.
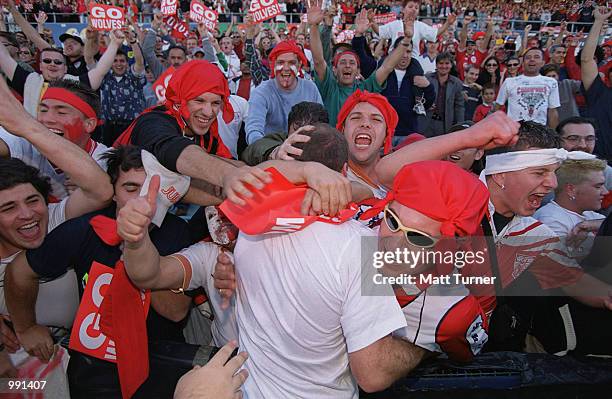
(14, 172)
(84, 93)
(122, 159)
(326, 146)
(576, 171)
(575, 120)
(550, 68)
(52, 50)
(445, 56)
(532, 136)
(306, 113)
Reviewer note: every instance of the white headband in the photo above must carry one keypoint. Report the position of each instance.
(519, 160)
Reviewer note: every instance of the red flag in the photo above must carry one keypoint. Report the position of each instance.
(180, 29)
(168, 7)
(198, 12)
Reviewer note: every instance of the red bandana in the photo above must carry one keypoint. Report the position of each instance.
(276, 209)
(345, 52)
(442, 191)
(286, 46)
(64, 95)
(122, 317)
(192, 79)
(379, 102)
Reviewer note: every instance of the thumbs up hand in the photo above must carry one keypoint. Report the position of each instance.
(134, 218)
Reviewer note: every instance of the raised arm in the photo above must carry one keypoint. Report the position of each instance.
(91, 47)
(27, 29)
(488, 34)
(493, 131)
(588, 65)
(94, 188)
(315, 16)
(96, 75)
(463, 33)
(148, 48)
(396, 55)
(139, 65)
(449, 21)
(7, 63)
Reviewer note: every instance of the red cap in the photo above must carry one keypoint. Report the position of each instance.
(478, 35)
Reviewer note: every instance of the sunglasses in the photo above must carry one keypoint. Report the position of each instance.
(490, 65)
(512, 65)
(413, 236)
(48, 61)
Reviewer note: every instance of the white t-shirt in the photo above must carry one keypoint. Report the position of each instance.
(58, 299)
(400, 76)
(301, 310)
(22, 149)
(529, 97)
(427, 63)
(422, 31)
(202, 257)
(229, 132)
(560, 220)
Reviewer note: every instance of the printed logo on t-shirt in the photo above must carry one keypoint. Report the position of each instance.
(531, 98)
(521, 263)
(476, 335)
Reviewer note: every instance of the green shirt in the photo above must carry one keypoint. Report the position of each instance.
(334, 95)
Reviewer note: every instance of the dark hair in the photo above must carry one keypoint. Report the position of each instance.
(14, 171)
(399, 40)
(556, 46)
(121, 52)
(599, 55)
(341, 47)
(532, 135)
(512, 57)
(178, 47)
(10, 37)
(575, 120)
(550, 68)
(488, 86)
(122, 159)
(485, 76)
(410, 1)
(326, 146)
(54, 50)
(82, 92)
(445, 56)
(307, 113)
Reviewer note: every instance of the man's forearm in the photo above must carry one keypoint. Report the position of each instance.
(80, 166)
(553, 118)
(21, 291)
(401, 358)
(142, 263)
(195, 162)
(203, 193)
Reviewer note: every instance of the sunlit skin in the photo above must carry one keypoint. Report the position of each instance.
(558, 56)
(411, 10)
(128, 186)
(226, 45)
(586, 195)
(25, 54)
(346, 69)
(51, 72)
(120, 65)
(190, 44)
(533, 60)
(578, 137)
(365, 130)
(203, 111)
(65, 120)
(471, 76)
(72, 48)
(389, 241)
(176, 57)
(523, 190)
(406, 59)
(285, 77)
(443, 67)
(465, 158)
(23, 219)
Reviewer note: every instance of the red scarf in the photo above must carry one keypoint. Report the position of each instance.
(187, 83)
(122, 317)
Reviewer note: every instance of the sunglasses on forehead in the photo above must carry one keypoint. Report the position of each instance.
(48, 61)
(413, 236)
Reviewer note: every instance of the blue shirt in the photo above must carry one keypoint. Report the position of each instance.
(122, 99)
(270, 107)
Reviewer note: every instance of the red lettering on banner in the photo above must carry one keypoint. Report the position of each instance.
(159, 86)
(86, 336)
(198, 12)
(382, 19)
(103, 17)
(168, 7)
(263, 10)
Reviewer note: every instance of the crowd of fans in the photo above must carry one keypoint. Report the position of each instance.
(229, 181)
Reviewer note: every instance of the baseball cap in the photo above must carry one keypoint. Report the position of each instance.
(71, 34)
(478, 35)
(196, 50)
